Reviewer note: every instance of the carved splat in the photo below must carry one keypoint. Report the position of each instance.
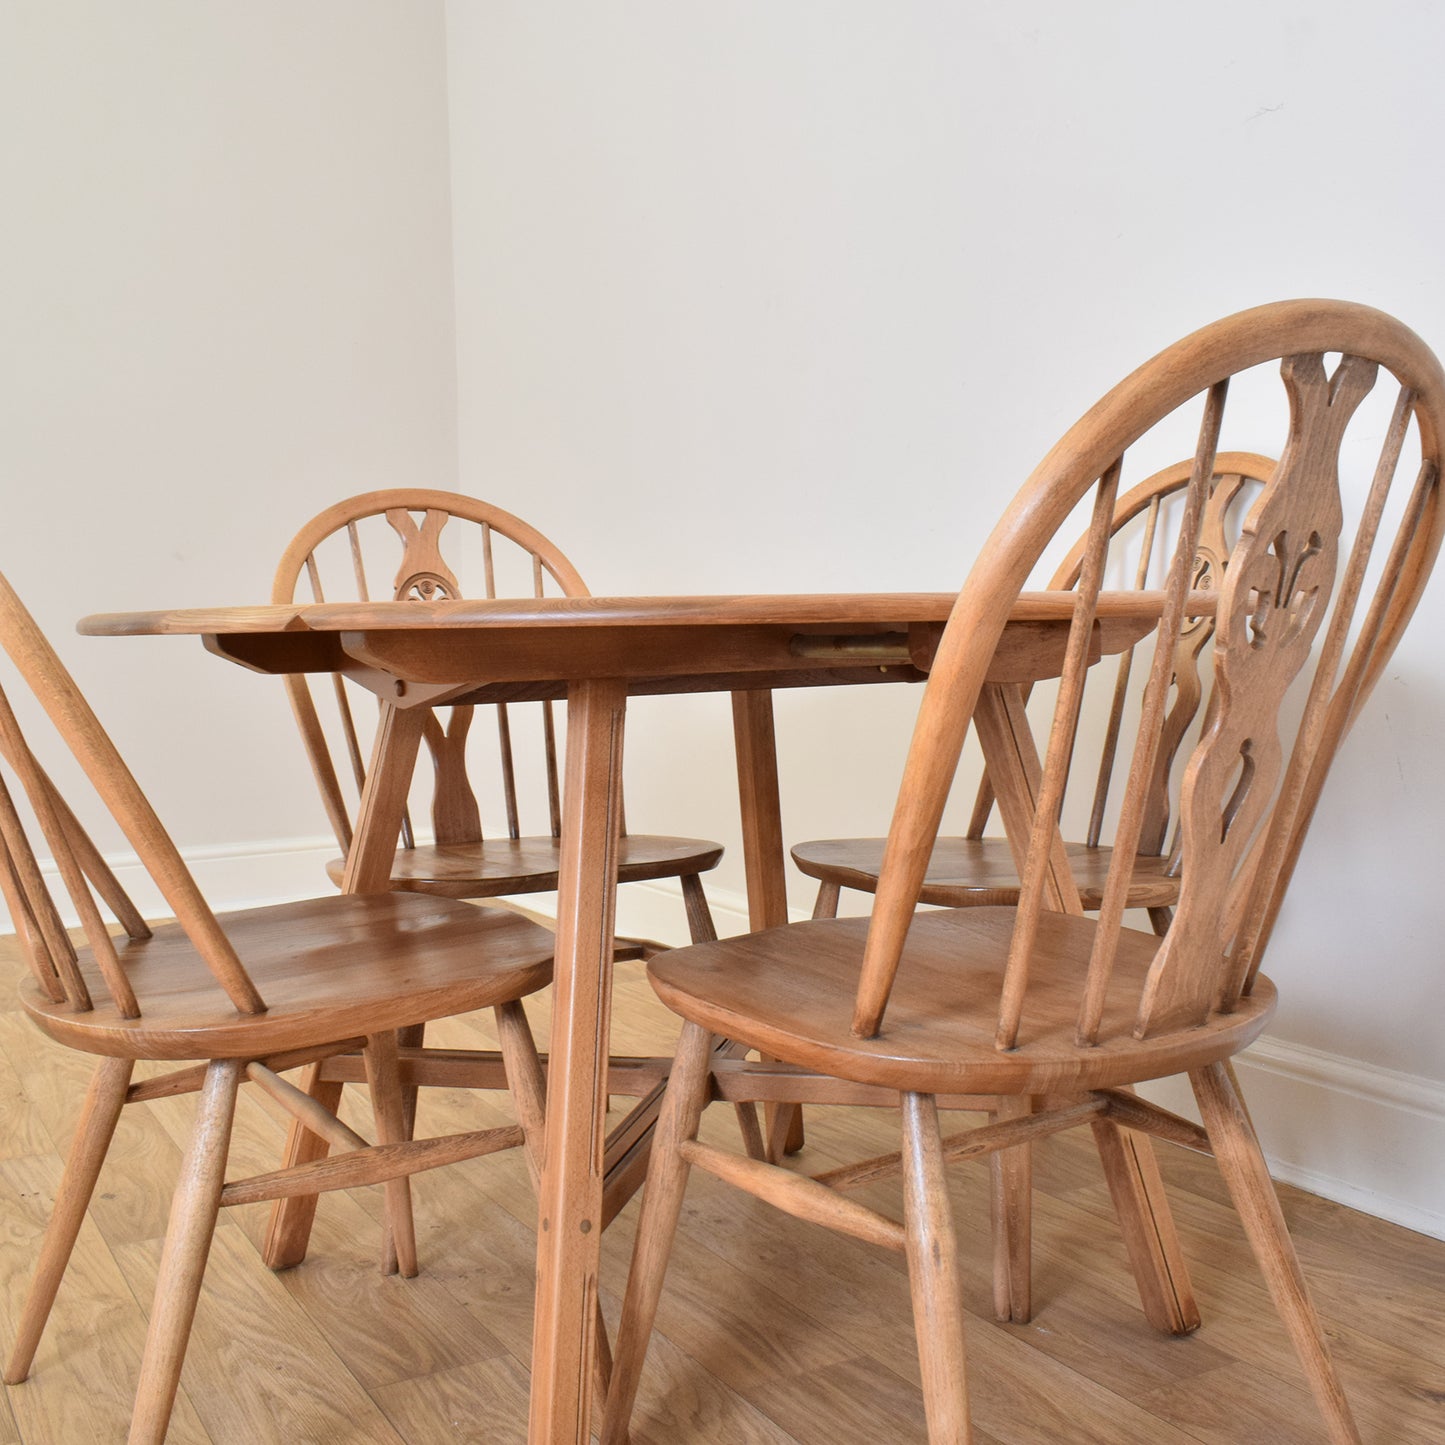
(455, 815)
(423, 575)
(1211, 556)
(1274, 597)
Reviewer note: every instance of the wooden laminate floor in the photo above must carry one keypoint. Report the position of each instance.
(771, 1331)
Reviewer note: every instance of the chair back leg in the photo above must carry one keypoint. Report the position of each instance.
(289, 1231)
(1242, 1163)
(388, 1108)
(1135, 1185)
(103, 1102)
(1011, 1175)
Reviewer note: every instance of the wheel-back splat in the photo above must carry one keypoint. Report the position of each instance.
(1275, 596)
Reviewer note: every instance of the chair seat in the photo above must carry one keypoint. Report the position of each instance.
(789, 991)
(329, 968)
(495, 867)
(966, 872)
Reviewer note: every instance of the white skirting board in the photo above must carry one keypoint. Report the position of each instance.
(1365, 1136)
(231, 876)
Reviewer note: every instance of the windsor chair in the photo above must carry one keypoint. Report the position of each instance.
(1061, 1011)
(419, 544)
(423, 543)
(255, 993)
(977, 870)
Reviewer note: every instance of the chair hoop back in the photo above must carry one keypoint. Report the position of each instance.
(52, 956)
(1281, 614)
(431, 529)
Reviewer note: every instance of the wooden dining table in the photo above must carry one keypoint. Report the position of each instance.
(596, 653)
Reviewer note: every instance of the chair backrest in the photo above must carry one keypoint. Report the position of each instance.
(1141, 536)
(1248, 792)
(84, 876)
(411, 543)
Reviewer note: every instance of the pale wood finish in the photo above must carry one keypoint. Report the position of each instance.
(183, 1260)
(686, 1097)
(1039, 1003)
(1011, 1175)
(389, 1114)
(251, 992)
(1150, 1237)
(93, 1131)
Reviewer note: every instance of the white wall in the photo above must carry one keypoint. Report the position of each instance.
(225, 300)
(793, 296)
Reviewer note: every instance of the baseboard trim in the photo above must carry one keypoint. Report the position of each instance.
(231, 876)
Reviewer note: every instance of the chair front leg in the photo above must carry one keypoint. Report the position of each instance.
(826, 903)
(661, 1206)
(93, 1133)
(194, 1207)
(700, 927)
(934, 1274)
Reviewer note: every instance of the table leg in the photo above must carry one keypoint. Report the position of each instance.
(757, 754)
(570, 1207)
(368, 870)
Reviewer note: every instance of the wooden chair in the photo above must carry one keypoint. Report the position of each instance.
(400, 535)
(1061, 1012)
(975, 870)
(254, 993)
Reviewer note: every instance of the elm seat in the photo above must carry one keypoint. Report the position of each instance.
(974, 872)
(1050, 1013)
(790, 992)
(340, 967)
(502, 866)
